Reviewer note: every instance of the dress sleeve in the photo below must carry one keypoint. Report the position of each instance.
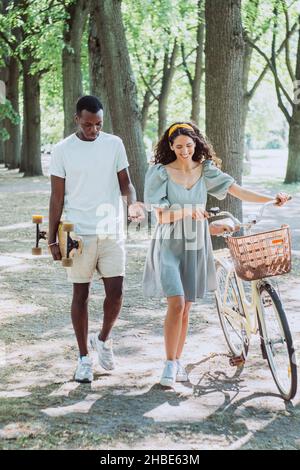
(155, 193)
(217, 182)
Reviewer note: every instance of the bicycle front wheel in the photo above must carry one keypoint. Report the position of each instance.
(277, 342)
(231, 312)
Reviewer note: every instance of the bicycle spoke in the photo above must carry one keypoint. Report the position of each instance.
(232, 323)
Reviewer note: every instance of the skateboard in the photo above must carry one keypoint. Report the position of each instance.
(68, 244)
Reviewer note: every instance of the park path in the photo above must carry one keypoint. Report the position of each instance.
(40, 405)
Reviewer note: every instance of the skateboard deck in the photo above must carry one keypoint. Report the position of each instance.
(68, 242)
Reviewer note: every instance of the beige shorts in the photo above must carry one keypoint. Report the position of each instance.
(104, 255)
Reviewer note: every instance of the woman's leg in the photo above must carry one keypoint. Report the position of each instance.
(184, 329)
(173, 325)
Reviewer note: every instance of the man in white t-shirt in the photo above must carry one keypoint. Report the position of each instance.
(88, 177)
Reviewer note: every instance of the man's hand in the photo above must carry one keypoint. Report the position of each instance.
(55, 252)
(282, 198)
(136, 212)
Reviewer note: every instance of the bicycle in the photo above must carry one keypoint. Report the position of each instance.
(255, 258)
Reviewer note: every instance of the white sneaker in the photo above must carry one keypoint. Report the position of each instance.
(84, 371)
(169, 374)
(105, 352)
(181, 375)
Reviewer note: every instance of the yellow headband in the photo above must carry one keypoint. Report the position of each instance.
(178, 126)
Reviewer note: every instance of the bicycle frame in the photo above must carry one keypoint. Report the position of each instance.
(244, 316)
(252, 308)
(250, 323)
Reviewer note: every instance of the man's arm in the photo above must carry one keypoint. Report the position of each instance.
(55, 211)
(126, 187)
(135, 210)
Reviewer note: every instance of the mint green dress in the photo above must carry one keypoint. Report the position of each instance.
(180, 257)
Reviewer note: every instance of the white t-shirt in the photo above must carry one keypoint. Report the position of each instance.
(92, 193)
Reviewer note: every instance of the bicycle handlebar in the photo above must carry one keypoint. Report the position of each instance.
(217, 213)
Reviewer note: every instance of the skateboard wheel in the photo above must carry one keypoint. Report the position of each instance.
(68, 227)
(36, 251)
(37, 219)
(67, 262)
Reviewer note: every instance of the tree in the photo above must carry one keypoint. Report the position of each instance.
(195, 78)
(158, 26)
(98, 86)
(39, 25)
(224, 73)
(27, 50)
(253, 33)
(31, 164)
(10, 75)
(121, 88)
(289, 104)
(77, 13)
(3, 112)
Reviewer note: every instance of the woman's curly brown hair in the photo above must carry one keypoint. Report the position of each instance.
(203, 150)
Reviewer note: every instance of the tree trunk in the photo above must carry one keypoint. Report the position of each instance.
(146, 108)
(71, 61)
(293, 165)
(224, 99)
(121, 88)
(12, 145)
(97, 81)
(3, 78)
(31, 137)
(246, 96)
(196, 83)
(168, 74)
(1, 152)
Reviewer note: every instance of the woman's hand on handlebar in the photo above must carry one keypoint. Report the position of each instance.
(218, 228)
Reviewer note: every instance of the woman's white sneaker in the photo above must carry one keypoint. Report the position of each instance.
(84, 371)
(169, 374)
(105, 352)
(181, 375)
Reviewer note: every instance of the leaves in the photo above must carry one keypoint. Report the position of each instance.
(7, 112)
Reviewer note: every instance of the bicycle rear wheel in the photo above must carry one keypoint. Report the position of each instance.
(232, 320)
(277, 342)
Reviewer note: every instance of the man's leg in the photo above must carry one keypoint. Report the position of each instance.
(112, 304)
(79, 313)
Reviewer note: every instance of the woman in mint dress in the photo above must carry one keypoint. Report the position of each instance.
(180, 263)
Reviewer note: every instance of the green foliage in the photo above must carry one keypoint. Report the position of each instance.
(152, 26)
(7, 112)
(35, 29)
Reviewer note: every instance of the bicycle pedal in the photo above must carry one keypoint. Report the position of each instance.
(237, 361)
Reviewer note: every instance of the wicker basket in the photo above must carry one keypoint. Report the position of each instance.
(262, 254)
